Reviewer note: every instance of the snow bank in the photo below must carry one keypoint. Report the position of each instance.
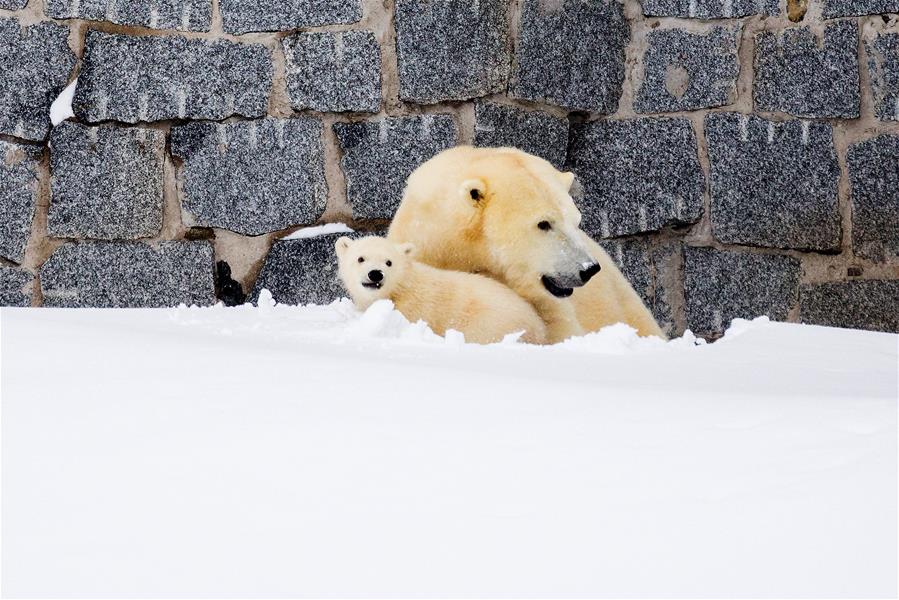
(61, 109)
(318, 230)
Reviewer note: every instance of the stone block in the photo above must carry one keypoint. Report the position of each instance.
(686, 71)
(378, 157)
(799, 74)
(709, 9)
(13, 4)
(252, 177)
(571, 54)
(883, 70)
(12, 287)
(18, 197)
(241, 16)
(637, 175)
(334, 71)
(35, 64)
(106, 182)
(182, 15)
(874, 176)
(536, 132)
(854, 8)
(129, 275)
(451, 49)
(132, 79)
(773, 184)
(856, 304)
(720, 286)
(302, 271)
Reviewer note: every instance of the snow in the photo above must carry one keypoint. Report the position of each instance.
(295, 452)
(318, 230)
(61, 109)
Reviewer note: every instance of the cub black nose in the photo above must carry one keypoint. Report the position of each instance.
(588, 273)
(375, 276)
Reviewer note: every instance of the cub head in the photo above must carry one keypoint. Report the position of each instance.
(371, 267)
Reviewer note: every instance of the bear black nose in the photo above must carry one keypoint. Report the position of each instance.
(375, 276)
(588, 273)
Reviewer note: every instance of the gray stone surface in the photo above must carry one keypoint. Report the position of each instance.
(106, 182)
(709, 9)
(796, 74)
(721, 285)
(18, 197)
(129, 275)
(131, 79)
(874, 176)
(872, 304)
(35, 64)
(243, 16)
(13, 4)
(378, 157)
(883, 70)
(252, 177)
(183, 15)
(301, 272)
(451, 49)
(571, 53)
(334, 71)
(687, 71)
(637, 175)
(12, 282)
(854, 8)
(533, 131)
(773, 184)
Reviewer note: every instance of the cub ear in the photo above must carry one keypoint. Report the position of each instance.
(473, 190)
(567, 179)
(342, 244)
(407, 249)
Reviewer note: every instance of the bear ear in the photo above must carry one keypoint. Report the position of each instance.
(342, 244)
(473, 190)
(407, 249)
(567, 179)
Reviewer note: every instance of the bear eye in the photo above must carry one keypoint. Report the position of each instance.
(389, 263)
(361, 259)
(544, 225)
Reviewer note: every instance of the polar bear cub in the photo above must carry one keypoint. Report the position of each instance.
(374, 268)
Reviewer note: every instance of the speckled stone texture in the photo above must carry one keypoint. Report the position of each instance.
(709, 9)
(721, 285)
(183, 15)
(131, 79)
(793, 74)
(129, 275)
(883, 70)
(13, 4)
(35, 64)
(874, 176)
(571, 54)
(773, 184)
(637, 175)
(302, 271)
(378, 157)
(18, 197)
(252, 177)
(687, 71)
(853, 8)
(536, 132)
(857, 304)
(334, 71)
(451, 49)
(244, 16)
(12, 281)
(106, 182)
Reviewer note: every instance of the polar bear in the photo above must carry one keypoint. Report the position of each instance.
(374, 268)
(508, 214)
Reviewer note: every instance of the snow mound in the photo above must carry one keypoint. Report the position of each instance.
(61, 109)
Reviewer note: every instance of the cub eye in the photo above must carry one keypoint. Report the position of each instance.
(389, 264)
(361, 259)
(544, 225)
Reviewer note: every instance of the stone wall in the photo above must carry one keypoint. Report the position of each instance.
(735, 157)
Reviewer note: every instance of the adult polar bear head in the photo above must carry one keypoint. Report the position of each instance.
(508, 214)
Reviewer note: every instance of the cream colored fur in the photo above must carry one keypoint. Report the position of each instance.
(477, 210)
(483, 309)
